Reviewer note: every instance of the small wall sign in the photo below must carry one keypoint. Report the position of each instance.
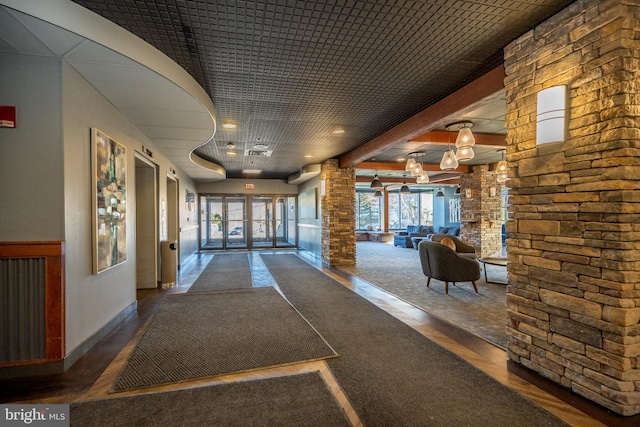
(7, 116)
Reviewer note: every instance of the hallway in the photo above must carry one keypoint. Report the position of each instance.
(92, 376)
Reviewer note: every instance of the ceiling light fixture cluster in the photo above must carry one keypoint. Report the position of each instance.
(464, 144)
(416, 169)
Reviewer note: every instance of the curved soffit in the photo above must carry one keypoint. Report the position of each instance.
(149, 88)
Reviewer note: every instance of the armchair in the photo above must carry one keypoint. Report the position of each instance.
(442, 263)
(462, 248)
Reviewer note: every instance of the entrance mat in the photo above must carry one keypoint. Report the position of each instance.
(207, 334)
(227, 271)
(392, 374)
(296, 400)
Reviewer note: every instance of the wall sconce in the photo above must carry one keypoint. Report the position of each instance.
(492, 191)
(377, 194)
(467, 193)
(501, 170)
(457, 191)
(550, 121)
(440, 194)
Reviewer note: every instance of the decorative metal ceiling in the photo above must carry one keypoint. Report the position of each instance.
(288, 73)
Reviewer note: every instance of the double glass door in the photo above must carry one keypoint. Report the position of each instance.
(247, 222)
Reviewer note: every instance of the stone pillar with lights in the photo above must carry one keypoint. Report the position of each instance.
(573, 300)
(338, 205)
(480, 211)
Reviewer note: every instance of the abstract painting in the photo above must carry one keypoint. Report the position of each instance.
(109, 165)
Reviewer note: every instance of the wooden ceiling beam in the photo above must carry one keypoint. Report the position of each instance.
(442, 137)
(411, 180)
(430, 118)
(388, 166)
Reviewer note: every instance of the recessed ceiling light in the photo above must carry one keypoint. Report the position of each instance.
(251, 171)
(400, 159)
(260, 146)
(338, 131)
(308, 156)
(231, 153)
(229, 125)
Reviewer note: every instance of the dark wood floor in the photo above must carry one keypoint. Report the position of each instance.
(78, 379)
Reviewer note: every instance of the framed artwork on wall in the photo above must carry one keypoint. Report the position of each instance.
(109, 194)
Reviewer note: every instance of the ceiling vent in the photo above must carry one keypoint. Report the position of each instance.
(258, 153)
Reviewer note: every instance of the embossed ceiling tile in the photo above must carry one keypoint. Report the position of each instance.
(290, 72)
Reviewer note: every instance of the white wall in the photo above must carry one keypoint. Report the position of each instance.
(31, 181)
(45, 177)
(310, 230)
(93, 300)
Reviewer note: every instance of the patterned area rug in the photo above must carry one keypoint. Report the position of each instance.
(206, 334)
(225, 271)
(398, 271)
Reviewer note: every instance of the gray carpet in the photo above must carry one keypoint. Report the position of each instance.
(392, 374)
(483, 314)
(297, 400)
(206, 334)
(224, 271)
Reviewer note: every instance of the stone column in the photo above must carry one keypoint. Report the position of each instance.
(573, 301)
(481, 222)
(338, 214)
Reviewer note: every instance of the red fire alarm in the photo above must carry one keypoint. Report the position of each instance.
(7, 116)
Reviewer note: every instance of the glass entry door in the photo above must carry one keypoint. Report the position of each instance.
(285, 223)
(236, 222)
(262, 214)
(246, 222)
(211, 224)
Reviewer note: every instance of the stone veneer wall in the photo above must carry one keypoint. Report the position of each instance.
(573, 299)
(338, 214)
(481, 222)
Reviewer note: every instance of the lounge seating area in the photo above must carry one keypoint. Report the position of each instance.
(441, 262)
(414, 234)
(410, 237)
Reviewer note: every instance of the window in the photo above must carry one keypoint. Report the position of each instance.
(368, 211)
(426, 208)
(409, 209)
(404, 209)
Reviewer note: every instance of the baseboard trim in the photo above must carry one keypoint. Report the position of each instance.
(79, 351)
(61, 366)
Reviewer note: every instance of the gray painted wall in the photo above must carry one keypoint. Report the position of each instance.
(46, 182)
(310, 230)
(31, 159)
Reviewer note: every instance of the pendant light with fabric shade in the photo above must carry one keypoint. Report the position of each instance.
(449, 160)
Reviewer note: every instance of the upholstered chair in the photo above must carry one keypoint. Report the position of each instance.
(461, 247)
(442, 263)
